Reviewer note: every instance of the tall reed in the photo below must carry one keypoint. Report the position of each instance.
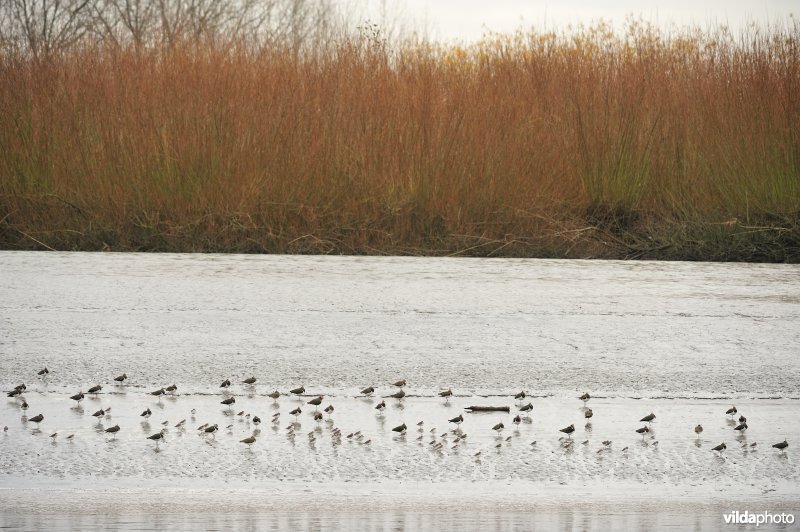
(587, 142)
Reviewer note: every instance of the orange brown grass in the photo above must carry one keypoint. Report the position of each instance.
(587, 143)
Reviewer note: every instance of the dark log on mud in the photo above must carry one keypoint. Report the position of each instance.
(488, 409)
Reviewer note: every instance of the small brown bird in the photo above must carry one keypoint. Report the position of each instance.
(211, 430)
(113, 430)
(400, 428)
(37, 419)
(43, 372)
(521, 395)
(643, 431)
(731, 411)
(24, 405)
(225, 384)
(316, 401)
(228, 402)
(274, 395)
(329, 410)
(158, 436)
(121, 378)
(517, 420)
(99, 413)
(458, 419)
(585, 397)
(499, 427)
(171, 388)
(317, 416)
(95, 389)
(380, 406)
(568, 430)
(159, 392)
(588, 414)
(250, 380)
(719, 448)
(782, 445)
(296, 412)
(400, 383)
(742, 419)
(446, 393)
(298, 391)
(146, 413)
(698, 430)
(369, 390)
(77, 397)
(741, 427)
(398, 395)
(256, 420)
(249, 440)
(526, 408)
(648, 418)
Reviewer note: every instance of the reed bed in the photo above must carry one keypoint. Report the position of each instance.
(589, 142)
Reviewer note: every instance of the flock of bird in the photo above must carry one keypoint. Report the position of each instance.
(522, 415)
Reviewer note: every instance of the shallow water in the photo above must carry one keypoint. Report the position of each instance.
(683, 340)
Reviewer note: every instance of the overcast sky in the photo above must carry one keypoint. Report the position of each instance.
(467, 20)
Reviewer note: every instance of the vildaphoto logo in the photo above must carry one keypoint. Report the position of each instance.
(762, 518)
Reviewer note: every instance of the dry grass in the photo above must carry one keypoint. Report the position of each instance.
(579, 144)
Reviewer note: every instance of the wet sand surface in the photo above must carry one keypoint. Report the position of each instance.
(685, 341)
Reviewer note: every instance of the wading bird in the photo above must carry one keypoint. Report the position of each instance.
(121, 378)
(37, 419)
(146, 414)
(698, 430)
(568, 430)
(113, 431)
(782, 446)
(400, 383)
(400, 428)
(94, 389)
(250, 381)
(719, 448)
(731, 411)
(648, 418)
(457, 420)
(298, 391)
(585, 397)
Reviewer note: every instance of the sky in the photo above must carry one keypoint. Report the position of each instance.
(467, 20)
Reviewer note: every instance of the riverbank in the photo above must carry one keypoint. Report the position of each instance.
(588, 143)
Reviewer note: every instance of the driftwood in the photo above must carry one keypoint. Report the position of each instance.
(488, 409)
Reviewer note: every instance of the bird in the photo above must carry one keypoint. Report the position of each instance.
(14, 393)
(146, 413)
(526, 408)
(225, 384)
(94, 389)
(400, 383)
(99, 413)
(446, 393)
(317, 416)
(499, 427)
(159, 392)
(457, 420)
(588, 414)
(521, 395)
(719, 448)
(643, 431)
(782, 445)
(400, 428)
(77, 397)
(171, 388)
(24, 405)
(731, 411)
(38, 418)
(298, 391)
(316, 401)
(742, 419)
(398, 395)
(369, 390)
(250, 440)
(70, 437)
(274, 395)
(585, 397)
(296, 412)
(741, 427)
(698, 430)
(648, 418)
(249, 380)
(568, 430)
(158, 436)
(329, 410)
(113, 430)
(607, 443)
(54, 435)
(517, 420)
(121, 378)
(380, 406)
(211, 430)
(43, 372)
(180, 423)
(228, 402)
